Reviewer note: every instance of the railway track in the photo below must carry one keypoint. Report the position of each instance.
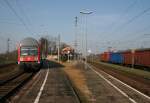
(124, 89)
(9, 87)
(5, 80)
(133, 80)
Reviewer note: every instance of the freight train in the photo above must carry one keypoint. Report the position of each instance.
(138, 57)
(30, 54)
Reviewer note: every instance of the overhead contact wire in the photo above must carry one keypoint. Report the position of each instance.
(20, 19)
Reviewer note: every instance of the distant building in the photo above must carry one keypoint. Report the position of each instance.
(67, 50)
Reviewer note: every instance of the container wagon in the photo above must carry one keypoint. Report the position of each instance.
(105, 56)
(116, 58)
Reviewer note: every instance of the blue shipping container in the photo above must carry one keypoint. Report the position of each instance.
(116, 58)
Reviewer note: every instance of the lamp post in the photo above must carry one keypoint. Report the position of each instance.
(86, 13)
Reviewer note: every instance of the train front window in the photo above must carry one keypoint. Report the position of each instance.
(28, 51)
(24, 52)
(33, 52)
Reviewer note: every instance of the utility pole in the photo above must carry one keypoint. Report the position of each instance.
(75, 42)
(8, 45)
(8, 40)
(58, 54)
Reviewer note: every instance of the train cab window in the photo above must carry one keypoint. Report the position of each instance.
(29, 51)
(33, 52)
(24, 52)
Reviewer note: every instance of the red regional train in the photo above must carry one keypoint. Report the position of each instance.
(29, 54)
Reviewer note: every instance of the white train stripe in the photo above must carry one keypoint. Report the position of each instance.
(119, 90)
(42, 87)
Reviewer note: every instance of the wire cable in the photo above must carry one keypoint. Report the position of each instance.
(133, 19)
(23, 12)
(114, 23)
(20, 19)
(125, 12)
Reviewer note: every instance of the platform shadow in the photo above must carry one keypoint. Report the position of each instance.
(51, 64)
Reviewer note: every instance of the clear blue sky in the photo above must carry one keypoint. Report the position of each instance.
(110, 25)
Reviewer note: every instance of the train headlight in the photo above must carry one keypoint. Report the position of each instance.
(21, 59)
(36, 58)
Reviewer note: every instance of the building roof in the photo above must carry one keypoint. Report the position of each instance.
(67, 49)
